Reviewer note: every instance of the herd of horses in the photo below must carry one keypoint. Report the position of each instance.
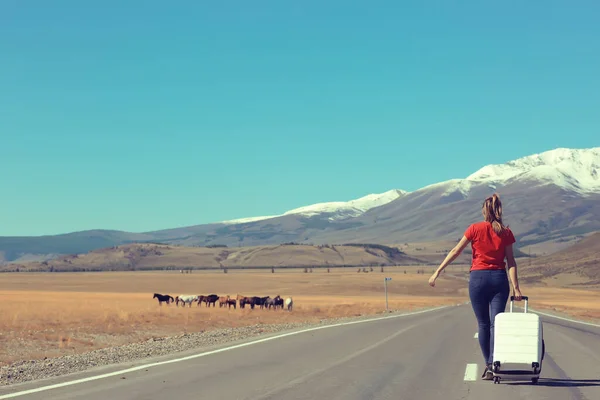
(226, 301)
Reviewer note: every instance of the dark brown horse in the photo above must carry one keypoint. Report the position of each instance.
(231, 302)
(211, 299)
(244, 300)
(163, 297)
(259, 301)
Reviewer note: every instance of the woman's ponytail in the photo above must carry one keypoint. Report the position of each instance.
(492, 211)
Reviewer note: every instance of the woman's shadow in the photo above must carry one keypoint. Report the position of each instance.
(555, 382)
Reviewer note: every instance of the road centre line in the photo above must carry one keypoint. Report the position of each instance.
(471, 372)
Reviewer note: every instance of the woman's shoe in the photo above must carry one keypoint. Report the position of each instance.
(488, 375)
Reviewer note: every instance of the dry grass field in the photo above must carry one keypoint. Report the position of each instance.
(582, 304)
(51, 314)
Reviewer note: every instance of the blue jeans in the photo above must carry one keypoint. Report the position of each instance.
(488, 291)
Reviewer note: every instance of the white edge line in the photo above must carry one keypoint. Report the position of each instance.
(207, 353)
(471, 372)
(564, 319)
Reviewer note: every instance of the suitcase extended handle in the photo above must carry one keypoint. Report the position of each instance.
(512, 300)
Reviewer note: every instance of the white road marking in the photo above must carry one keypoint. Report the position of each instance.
(564, 319)
(471, 372)
(476, 335)
(207, 353)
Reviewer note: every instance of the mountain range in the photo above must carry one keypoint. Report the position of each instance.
(548, 198)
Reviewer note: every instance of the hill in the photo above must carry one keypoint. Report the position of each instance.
(47, 247)
(576, 265)
(158, 256)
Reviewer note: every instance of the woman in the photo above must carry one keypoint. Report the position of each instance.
(491, 243)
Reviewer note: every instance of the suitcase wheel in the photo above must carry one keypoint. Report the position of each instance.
(496, 366)
(496, 380)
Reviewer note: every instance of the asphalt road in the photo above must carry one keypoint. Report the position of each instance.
(424, 356)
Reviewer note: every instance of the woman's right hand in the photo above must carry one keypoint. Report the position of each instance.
(433, 278)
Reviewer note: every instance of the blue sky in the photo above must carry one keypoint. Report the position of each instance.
(150, 115)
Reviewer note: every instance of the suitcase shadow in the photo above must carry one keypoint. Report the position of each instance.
(560, 382)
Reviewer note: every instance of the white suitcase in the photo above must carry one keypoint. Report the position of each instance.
(518, 345)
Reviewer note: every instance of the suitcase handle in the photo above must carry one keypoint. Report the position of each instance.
(512, 300)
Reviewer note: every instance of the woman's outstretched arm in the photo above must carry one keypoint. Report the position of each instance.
(455, 252)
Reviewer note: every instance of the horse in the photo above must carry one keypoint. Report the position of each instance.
(231, 302)
(273, 302)
(211, 298)
(263, 300)
(223, 300)
(243, 300)
(289, 303)
(200, 299)
(163, 297)
(186, 298)
(278, 302)
(253, 301)
(259, 301)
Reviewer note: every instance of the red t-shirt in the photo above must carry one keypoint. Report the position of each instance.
(488, 247)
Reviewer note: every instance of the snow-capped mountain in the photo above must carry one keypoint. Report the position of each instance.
(576, 170)
(348, 209)
(335, 210)
(546, 197)
(571, 169)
